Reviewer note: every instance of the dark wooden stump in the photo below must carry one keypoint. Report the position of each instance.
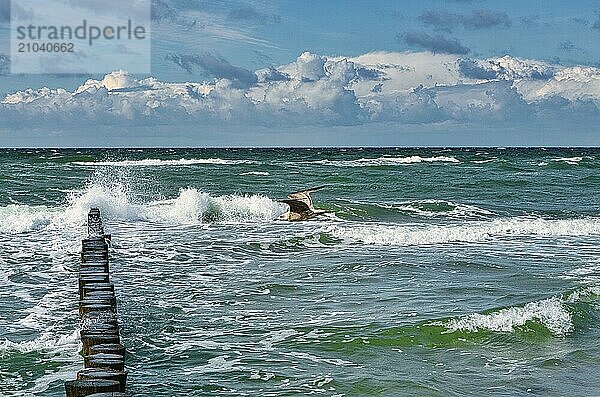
(92, 279)
(82, 388)
(105, 363)
(96, 287)
(105, 360)
(108, 332)
(98, 339)
(92, 256)
(99, 373)
(86, 307)
(92, 318)
(108, 348)
(94, 269)
(100, 296)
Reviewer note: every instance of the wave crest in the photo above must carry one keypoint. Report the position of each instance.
(470, 232)
(387, 161)
(159, 162)
(116, 203)
(46, 342)
(552, 313)
(22, 218)
(193, 206)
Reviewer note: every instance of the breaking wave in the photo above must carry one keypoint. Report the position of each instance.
(47, 342)
(115, 202)
(551, 313)
(21, 218)
(387, 161)
(413, 234)
(159, 162)
(192, 206)
(560, 315)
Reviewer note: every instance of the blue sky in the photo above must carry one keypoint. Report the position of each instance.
(214, 42)
(537, 29)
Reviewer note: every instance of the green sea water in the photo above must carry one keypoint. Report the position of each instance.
(437, 272)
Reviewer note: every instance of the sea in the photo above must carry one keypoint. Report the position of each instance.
(435, 272)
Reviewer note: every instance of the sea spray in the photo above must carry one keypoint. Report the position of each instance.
(116, 203)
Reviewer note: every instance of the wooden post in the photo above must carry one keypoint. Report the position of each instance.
(98, 339)
(81, 388)
(100, 373)
(108, 348)
(104, 355)
(105, 361)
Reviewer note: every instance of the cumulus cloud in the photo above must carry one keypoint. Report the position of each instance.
(316, 90)
(435, 44)
(216, 66)
(478, 19)
(506, 68)
(271, 74)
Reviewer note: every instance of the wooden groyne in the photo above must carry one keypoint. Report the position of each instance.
(104, 356)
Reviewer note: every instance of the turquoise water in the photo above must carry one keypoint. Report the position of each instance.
(438, 272)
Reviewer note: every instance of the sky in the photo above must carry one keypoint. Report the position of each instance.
(333, 73)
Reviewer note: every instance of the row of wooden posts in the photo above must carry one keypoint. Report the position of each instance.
(104, 374)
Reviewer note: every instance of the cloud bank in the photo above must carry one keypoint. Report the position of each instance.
(399, 88)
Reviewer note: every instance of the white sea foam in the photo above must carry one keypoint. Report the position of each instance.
(437, 208)
(45, 343)
(21, 218)
(216, 364)
(260, 173)
(115, 202)
(568, 160)
(387, 161)
(551, 313)
(414, 234)
(192, 206)
(160, 162)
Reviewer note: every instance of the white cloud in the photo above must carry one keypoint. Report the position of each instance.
(404, 88)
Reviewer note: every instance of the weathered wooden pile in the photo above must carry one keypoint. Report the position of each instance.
(104, 355)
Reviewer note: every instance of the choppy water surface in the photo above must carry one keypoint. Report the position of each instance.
(438, 272)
